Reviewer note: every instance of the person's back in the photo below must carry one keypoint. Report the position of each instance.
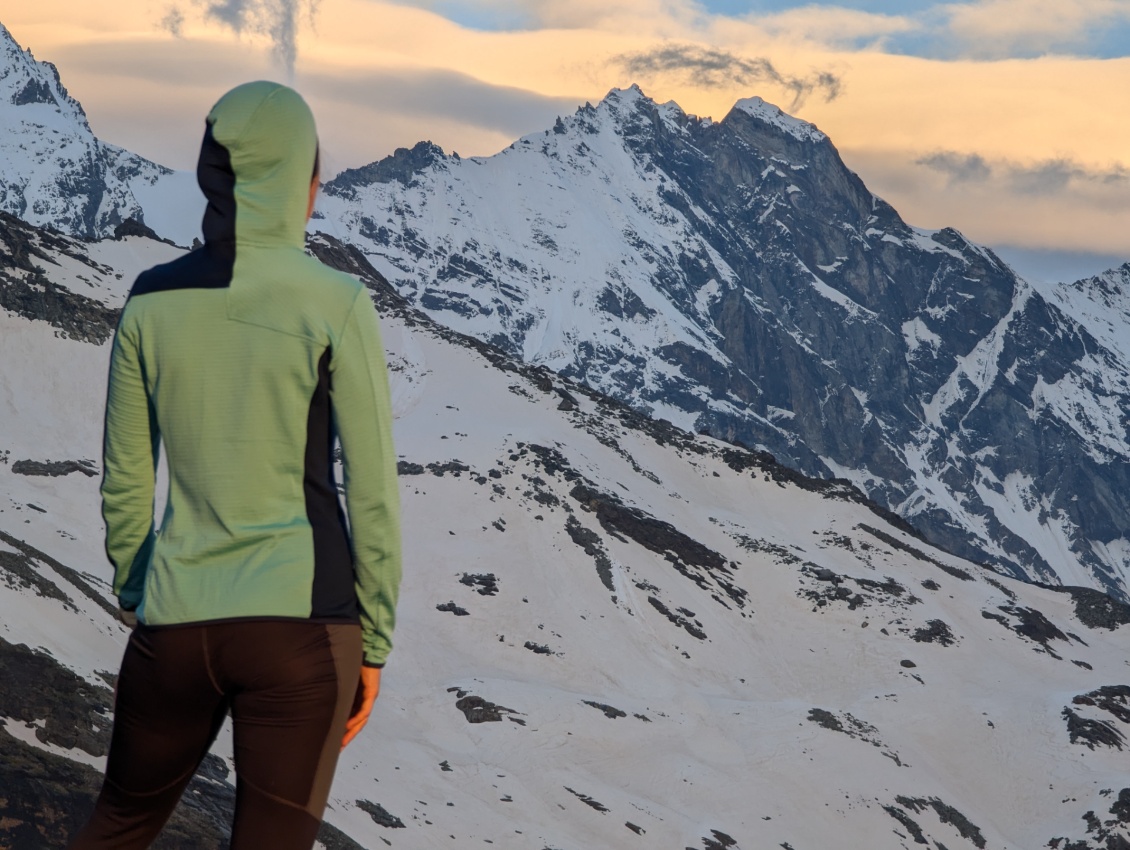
(245, 358)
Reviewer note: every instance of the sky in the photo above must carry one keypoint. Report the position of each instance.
(1007, 119)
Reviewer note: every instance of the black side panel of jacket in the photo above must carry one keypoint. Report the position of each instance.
(333, 595)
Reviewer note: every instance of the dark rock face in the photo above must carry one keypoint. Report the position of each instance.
(478, 710)
(828, 331)
(67, 711)
(380, 815)
(26, 289)
(936, 631)
(609, 710)
(485, 583)
(1029, 623)
(1114, 699)
(1102, 834)
(47, 798)
(401, 166)
(21, 568)
(717, 840)
(588, 801)
(133, 227)
(590, 541)
(693, 627)
(908, 823)
(1092, 733)
(54, 468)
(692, 559)
(452, 608)
(946, 814)
(1098, 610)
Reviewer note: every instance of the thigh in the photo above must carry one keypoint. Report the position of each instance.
(167, 711)
(166, 715)
(296, 683)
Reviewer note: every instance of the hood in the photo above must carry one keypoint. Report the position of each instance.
(255, 166)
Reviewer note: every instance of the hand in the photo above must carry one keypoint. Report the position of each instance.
(367, 689)
(129, 618)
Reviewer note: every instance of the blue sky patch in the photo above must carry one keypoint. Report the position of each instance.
(930, 39)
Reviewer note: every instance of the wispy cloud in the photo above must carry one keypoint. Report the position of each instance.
(977, 29)
(1057, 175)
(279, 20)
(1011, 28)
(959, 167)
(1047, 177)
(173, 22)
(707, 67)
(833, 25)
(448, 94)
(1049, 204)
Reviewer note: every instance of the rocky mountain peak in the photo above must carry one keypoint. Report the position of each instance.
(25, 81)
(402, 166)
(54, 171)
(767, 113)
(737, 277)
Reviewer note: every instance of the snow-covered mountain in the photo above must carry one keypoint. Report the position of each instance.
(54, 171)
(736, 278)
(614, 633)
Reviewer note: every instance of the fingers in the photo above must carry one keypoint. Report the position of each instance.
(368, 687)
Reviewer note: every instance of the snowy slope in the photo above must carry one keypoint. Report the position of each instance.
(54, 171)
(676, 643)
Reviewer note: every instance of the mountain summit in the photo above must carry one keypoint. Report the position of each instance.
(736, 277)
(54, 171)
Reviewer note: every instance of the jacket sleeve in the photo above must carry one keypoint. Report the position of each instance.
(130, 451)
(363, 419)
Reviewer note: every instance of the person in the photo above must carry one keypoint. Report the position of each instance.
(246, 358)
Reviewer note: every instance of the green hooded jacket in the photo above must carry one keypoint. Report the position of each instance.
(246, 358)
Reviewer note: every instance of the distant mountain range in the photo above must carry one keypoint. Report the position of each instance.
(734, 278)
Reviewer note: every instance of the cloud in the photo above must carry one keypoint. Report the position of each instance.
(960, 168)
(1011, 28)
(454, 96)
(829, 24)
(1051, 204)
(530, 15)
(278, 20)
(1057, 175)
(362, 115)
(173, 22)
(1047, 177)
(708, 67)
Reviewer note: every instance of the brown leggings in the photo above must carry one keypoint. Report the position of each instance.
(289, 685)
